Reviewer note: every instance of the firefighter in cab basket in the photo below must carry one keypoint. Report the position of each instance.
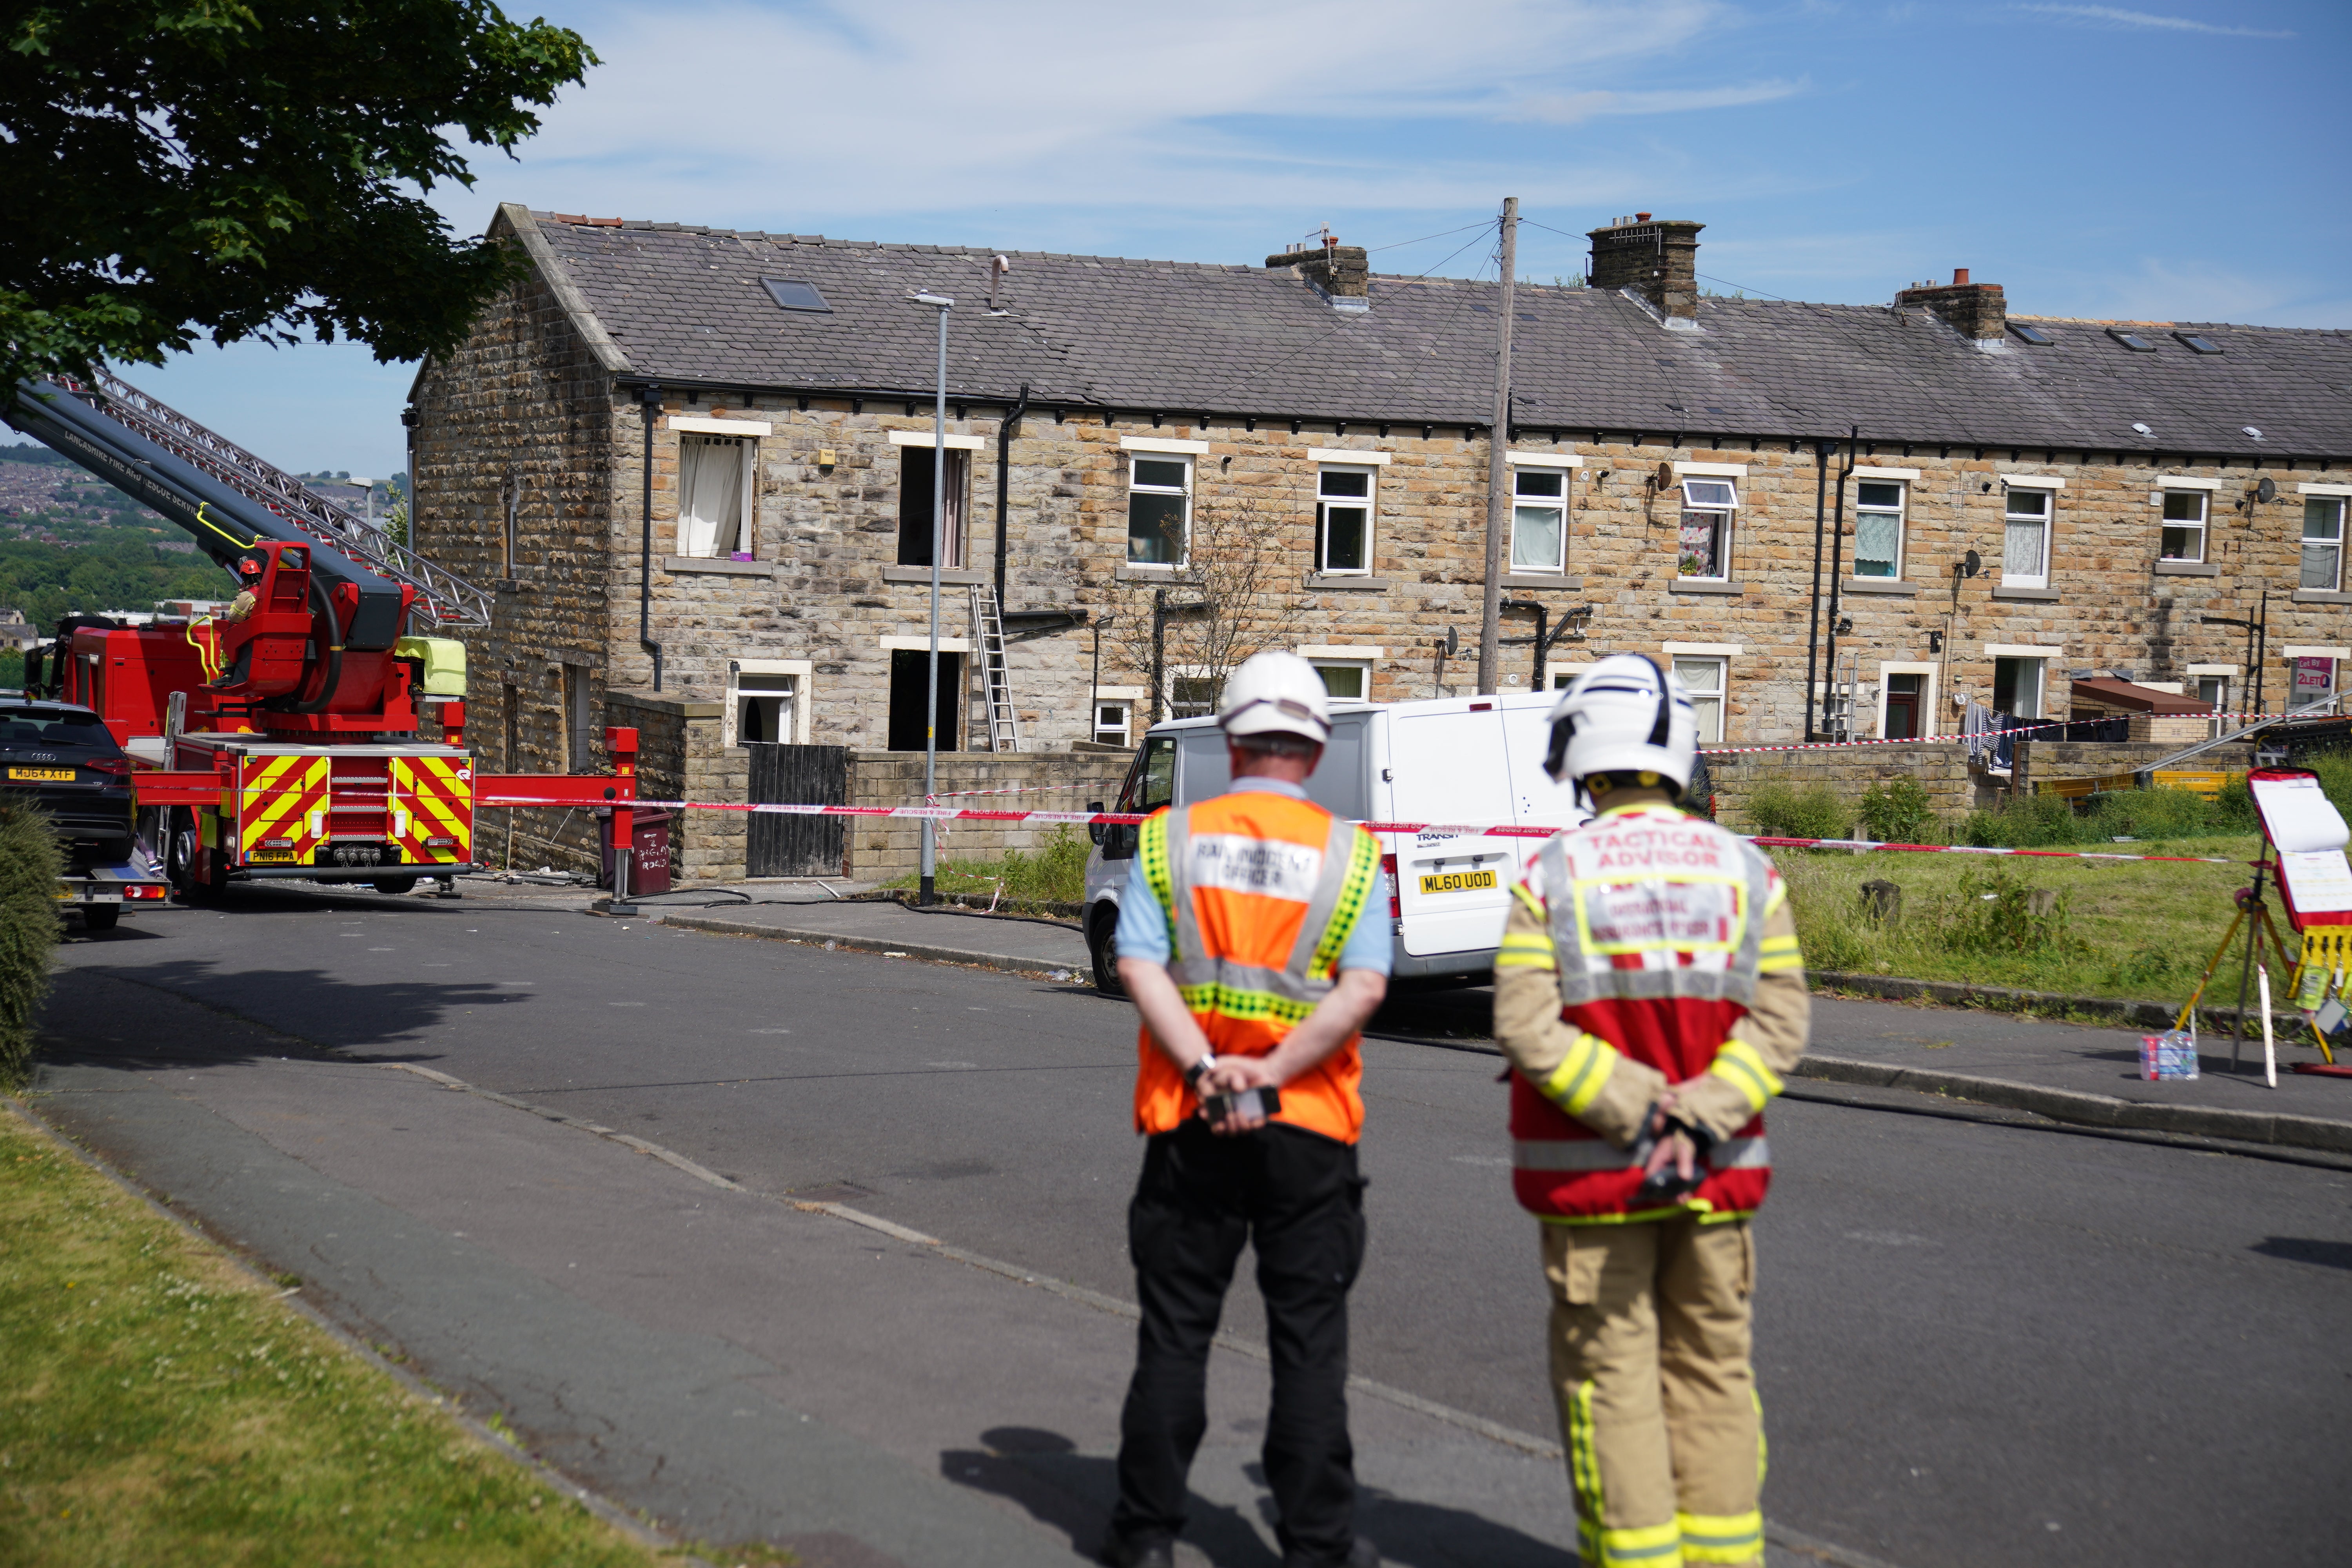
(1650, 996)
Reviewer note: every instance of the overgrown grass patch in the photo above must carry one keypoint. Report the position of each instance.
(160, 1406)
(2128, 929)
(1054, 872)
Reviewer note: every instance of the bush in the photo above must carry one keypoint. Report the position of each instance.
(1053, 873)
(1897, 811)
(2025, 822)
(30, 864)
(1781, 811)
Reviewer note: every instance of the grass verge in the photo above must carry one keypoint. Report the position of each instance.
(160, 1406)
(2125, 928)
(1054, 872)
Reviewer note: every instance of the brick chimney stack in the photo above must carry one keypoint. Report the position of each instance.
(1656, 258)
(1975, 311)
(1341, 271)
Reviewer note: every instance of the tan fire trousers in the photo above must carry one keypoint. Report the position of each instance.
(1657, 1403)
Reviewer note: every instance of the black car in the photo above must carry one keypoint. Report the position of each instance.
(65, 757)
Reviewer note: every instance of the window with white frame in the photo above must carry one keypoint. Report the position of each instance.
(1343, 519)
(2016, 686)
(764, 704)
(1114, 722)
(1538, 519)
(2182, 537)
(1158, 508)
(714, 496)
(1350, 678)
(2322, 544)
(1878, 528)
(1704, 547)
(2213, 691)
(1193, 696)
(2025, 538)
(1704, 677)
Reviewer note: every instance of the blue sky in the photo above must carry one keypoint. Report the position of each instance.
(2185, 162)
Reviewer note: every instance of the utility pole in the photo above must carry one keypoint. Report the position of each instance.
(1498, 471)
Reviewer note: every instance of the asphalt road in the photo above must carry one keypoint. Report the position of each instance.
(1978, 1344)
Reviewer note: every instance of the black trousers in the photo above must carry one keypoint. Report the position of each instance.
(1297, 1197)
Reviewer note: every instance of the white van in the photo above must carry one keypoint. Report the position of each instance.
(1457, 760)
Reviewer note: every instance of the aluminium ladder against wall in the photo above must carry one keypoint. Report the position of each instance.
(444, 600)
(988, 640)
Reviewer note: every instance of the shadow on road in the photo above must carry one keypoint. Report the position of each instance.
(1064, 1490)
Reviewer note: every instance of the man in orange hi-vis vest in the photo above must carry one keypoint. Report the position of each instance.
(1246, 939)
(1651, 998)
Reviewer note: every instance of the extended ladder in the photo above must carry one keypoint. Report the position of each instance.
(988, 632)
(444, 600)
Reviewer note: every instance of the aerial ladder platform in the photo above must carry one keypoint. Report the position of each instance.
(281, 739)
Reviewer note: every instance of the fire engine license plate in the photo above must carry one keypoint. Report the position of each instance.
(270, 857)
(1457, 882)
(43, 775)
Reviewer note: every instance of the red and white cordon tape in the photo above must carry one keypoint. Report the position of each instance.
(1434, 829)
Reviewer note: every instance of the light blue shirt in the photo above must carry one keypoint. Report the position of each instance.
(1143, 925)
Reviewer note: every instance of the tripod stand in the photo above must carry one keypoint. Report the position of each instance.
(2254, 916)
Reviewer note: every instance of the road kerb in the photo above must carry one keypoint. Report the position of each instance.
(1036, 968)
(2090, 1110)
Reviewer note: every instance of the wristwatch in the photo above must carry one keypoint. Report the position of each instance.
(1193, 1074)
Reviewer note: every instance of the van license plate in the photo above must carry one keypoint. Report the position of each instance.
(1457, 882)
(43, 775)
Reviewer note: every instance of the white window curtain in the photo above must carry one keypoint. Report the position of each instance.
(709, 496)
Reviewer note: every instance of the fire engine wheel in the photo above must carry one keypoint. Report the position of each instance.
(395, 886)
(1102, 945)
(100, 917)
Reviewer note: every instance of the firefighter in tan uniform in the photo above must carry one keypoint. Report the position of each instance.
(1649, 995)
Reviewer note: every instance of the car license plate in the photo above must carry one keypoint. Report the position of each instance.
(43, 775)
(1457, 882)
(270, 857)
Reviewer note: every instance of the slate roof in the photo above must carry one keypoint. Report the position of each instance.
(686, 304)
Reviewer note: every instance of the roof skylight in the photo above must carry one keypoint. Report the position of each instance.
(2132, 340)
(2033, 336)
(2196, 344)
(794, 295)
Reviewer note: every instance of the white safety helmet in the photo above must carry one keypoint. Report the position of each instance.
(1275, 692)
(1624, 715)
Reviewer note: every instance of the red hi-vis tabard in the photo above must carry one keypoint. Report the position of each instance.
(1657, 927)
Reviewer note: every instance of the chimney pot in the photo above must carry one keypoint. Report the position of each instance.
(1959, 276)
(1640, 218)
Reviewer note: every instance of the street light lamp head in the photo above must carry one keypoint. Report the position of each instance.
(941, 300)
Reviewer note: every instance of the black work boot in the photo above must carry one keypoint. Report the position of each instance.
(1361, 1554)
(1120, 1552)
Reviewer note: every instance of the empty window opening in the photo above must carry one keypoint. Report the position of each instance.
(765, 706)
(1878, 529)
(2183, 535)
(2322, 544)
(2025, 540)
(1538, 519)
(915, 476)
(1704, 677)
(714, 497)
(2017, 687)
(1159, 510)
(1343, 521)
(910, 674)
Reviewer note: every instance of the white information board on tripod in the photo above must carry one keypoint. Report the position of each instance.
(2310, 835)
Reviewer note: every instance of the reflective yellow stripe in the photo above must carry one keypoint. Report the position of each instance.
(1151, 845)
(1778, 943)
(1248, 1006)
(1577, 1082)
(1722, 1538)
(1526, 895)
(1652, 1544)
(1786, 964)
(1742, 1065)
(1762, 1448)
(1527, 949)
(1775, 897)
(1584, 1472)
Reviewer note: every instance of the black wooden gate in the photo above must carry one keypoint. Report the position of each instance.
(783, 846)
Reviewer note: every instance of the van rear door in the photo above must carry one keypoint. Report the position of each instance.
(1453, 888)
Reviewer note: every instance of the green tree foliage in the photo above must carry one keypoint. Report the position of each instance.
(186, 168)
(31, 865)
(127, 572)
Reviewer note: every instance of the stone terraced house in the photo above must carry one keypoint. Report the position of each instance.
(698, 466)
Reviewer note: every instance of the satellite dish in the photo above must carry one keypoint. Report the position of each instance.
(1971, 564)
(1664, 477)
(2267, 490)
(1452, 642)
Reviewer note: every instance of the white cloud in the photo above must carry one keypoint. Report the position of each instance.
(2166, 291)
(2115, 16)
(763, 115)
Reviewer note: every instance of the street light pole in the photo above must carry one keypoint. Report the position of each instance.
(927, 887)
